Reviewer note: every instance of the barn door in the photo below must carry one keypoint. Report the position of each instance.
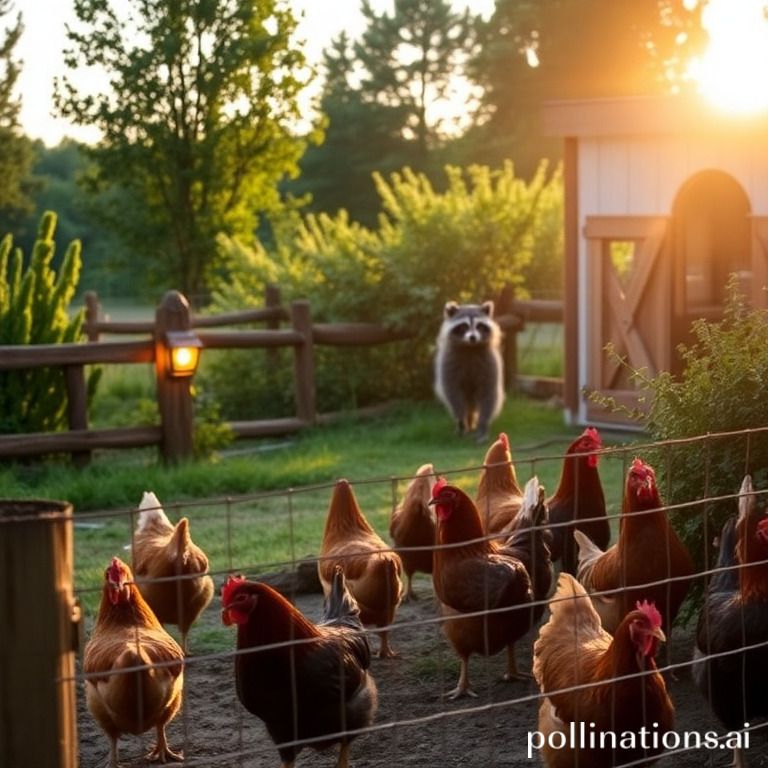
(759, 225)
(628, 306)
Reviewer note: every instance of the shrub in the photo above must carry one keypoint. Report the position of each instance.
(34, 309)
(721, 389)
(465, 243)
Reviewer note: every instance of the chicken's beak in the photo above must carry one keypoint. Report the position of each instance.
(226, 617)
(658, 633)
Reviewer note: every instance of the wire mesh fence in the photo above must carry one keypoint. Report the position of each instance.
(276, 535)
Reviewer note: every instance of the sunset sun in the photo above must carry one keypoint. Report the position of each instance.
(731, 73)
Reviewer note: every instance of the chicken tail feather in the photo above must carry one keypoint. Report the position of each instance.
(340, 605)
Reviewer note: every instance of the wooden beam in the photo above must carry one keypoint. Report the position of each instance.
(37, 612)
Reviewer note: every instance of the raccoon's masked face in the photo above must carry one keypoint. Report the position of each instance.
(471, 330)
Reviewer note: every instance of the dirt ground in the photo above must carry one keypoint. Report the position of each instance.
(417, 725)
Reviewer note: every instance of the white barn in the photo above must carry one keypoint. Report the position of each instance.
(664, 199)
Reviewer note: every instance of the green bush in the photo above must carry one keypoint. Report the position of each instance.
(721, 389)
(34, 309)
(466, 243)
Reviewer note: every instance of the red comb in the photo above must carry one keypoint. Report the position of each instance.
(229, 587)
(594, 435)
(440, 483)
(116, 570)
(651, 612)
(504, 440)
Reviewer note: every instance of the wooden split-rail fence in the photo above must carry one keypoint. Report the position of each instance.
(283, 327)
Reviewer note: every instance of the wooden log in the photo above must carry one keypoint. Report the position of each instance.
(248, 339)
(40, 355)
(92, 312)
(174, 395)
(40, 443)
(38, 613)
(538, 310)
(356, 334)
(305, 580)
(269, 315)
(125, 326)
(304, 363)
(266, 427)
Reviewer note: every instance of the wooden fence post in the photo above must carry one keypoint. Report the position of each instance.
(272, 299)
(304, 362)
(92, 312)
(77, 407)
(38, 726)
(174, 396)
(509, 349)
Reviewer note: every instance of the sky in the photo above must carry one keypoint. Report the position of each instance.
(41, 45)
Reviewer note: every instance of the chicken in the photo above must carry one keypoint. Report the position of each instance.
(648, 550)
(477, 576)
(735, 615)
(372, 570)
(171, 570)
(312, 680)
(412, 526)
(499, 495)
(579, 496)
(128, 635)
(573, 649)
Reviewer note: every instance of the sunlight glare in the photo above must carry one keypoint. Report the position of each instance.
(731, 72)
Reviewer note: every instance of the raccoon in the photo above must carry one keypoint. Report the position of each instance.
(468, 366)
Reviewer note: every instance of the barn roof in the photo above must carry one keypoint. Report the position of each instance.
(645, 116)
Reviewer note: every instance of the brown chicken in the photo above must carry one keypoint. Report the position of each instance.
(126, 636)
(574, 650)
(171, 570)
(412, 526)
(312, 680)
(372, 570)
(473, 575)
(735, 616)
(648, 550)
(579, 497)
(499, 495)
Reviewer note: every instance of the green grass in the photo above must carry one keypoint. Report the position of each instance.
(262, 505)
(540, 350)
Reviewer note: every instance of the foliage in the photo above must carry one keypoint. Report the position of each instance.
(57, 171)
(393, 445)
(546, 50)
(198, 124)
(34, 309)
(390, 101)
(411, 59)
(721, 389)
(465, 243)
(362, 135)
(15, 149)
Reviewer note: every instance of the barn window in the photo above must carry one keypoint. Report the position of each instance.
(711, 241)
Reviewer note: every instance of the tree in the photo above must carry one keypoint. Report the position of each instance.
(199, 123)
(57, 170)
(412, 60)
(390, 100)
(15, 149)
(559, 49)
(361, 136)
